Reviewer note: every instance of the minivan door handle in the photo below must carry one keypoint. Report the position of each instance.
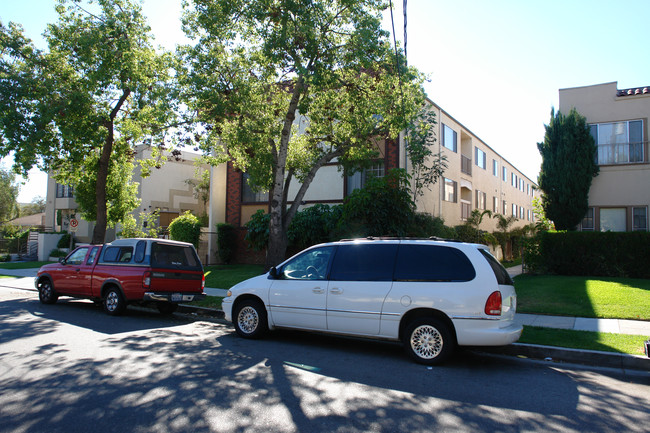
(318, 290)
(336, 291)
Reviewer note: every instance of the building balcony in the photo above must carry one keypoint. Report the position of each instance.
(466, 165)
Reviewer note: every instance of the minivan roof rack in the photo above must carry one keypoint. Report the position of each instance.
(399, 238)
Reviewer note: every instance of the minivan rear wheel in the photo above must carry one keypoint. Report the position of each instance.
(250, 319)
(428, 341)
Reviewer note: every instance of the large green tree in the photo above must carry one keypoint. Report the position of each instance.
(568, 167)
(259, 66)
(80, 108)
(8, 195)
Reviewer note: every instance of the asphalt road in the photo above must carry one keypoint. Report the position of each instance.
(69, 367)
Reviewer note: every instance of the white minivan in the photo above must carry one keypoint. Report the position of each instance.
(430, 294)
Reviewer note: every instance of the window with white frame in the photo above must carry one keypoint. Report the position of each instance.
(505, 207)
(640, 218)
(495, 204)
(514, 210)
(481, 198)
(449, 138)
(619, 142)
(495, 168)
(504, 174)
(358, 179)
(450, 190)
(587, 224)
(480, 158)
(613, 219)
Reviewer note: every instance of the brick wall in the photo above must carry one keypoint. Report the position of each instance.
(233, 196)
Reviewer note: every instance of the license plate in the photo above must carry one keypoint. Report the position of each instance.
(177, 297)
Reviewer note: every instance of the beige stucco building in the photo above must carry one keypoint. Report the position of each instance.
(166, 189)
(620, 195)
(476, 177)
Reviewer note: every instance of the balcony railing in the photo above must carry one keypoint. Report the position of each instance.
(621, 153)
(466, 165)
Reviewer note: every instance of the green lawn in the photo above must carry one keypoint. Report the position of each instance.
(21, 265)
(605, 342)
(614, 298)
(226, 276)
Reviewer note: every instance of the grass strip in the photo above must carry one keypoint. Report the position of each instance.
(208, 302)
(226, 276)
(21, 265)
(586, 340)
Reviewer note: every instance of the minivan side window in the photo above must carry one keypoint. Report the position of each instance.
(311, 265)
(364, 262)
(503, 277)
(432, 263)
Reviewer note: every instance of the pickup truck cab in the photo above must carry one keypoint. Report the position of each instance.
(126, 271)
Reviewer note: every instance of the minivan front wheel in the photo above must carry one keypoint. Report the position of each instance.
(428, 341)
(250, 319)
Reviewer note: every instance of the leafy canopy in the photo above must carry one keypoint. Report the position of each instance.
(568, 167)
(80, 108)
(283, 87)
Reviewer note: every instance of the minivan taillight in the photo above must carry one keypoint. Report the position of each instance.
(202, 282)
(493, 304)
(146, 280)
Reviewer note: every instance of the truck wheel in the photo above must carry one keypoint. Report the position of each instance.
(428, 341)
(166, 307)
(46, 293)
(250, 319)
(114, 303)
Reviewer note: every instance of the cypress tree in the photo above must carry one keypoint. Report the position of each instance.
(568, 167)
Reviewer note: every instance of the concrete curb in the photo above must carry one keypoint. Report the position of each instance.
(574, 356)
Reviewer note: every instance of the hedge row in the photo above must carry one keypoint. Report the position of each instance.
(606, 254)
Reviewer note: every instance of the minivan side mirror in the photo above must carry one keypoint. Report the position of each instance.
(273, 273)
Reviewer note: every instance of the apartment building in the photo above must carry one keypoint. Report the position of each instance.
(620, 195)
(477, 177)
(165, 189)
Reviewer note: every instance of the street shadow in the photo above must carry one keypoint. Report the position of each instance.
(76, 312)
(203, 377)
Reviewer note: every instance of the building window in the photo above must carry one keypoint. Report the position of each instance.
(449, 138)
(504, 174)
(450, 190)
(249, 195)
(481, 198)
(495, 204)
(522, 212)
(587, 224)
(528, 214)
(64, 191)
(359, 179)
(495, 168)
(480, 158)
(613, 220)
(640, 219)
(514, 210)
(505, 208)
(619, 142)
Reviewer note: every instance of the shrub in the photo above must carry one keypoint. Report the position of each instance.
(58, 253)
(595, 253)
(64, 241)
(314, 225)
(5, 257)
(186, 228)
(425, 225)
(257, 234)
(226, 242)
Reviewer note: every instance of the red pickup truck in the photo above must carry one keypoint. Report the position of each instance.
(125, 271)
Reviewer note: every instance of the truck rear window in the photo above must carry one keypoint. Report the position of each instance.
(174, 256)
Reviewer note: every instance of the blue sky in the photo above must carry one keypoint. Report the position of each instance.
(496, 66)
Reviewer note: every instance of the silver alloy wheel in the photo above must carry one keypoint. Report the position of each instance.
(426, 342)
(46, 290)
(112, 301)
(248, 319)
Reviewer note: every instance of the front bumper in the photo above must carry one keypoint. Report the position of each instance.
(176, 297)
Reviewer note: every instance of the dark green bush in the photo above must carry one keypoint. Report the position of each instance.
(314, 225)
(425, 225)
(186, 228)
(595, 253)
(226, 242)
(257, 230)
(64, 242)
